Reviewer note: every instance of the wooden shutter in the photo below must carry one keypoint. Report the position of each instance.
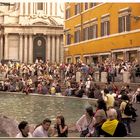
(102, 29)
(83, 34)
(128, 23)
(108, 27)
(91, 5)
(96, 30)
(79, 8)
(75, 40)
(91, 32)
(66, 14)
(69, 39)
(88, 33)
(78, 35)
(76, 9)
(120, 25)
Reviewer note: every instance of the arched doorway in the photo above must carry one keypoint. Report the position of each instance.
(39, 48)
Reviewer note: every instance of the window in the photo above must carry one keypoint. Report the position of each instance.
(92, 4)
(87, 60)
(86, 33)
(124, 23)
(77, 36)
(93, 31)
(67, 13)
(77, 59)
(119, 56)
(105, 26)
(86, 6)
(68, 38)
(77, 8)
(68, 60)
(40, 6)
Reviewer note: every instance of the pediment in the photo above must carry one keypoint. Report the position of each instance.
(52, 21)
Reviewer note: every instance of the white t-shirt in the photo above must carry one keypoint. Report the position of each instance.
(82, 124)
(87, 84)
(40, 132)
(19, 135)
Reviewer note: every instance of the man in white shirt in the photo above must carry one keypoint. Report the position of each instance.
(24, 130)
(43, 130)
(88, 82)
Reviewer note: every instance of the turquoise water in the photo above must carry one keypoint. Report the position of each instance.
(34, 108)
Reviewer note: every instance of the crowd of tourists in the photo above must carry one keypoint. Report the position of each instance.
(112, 118)
(61, 79)
(44, 129)
(50, 79)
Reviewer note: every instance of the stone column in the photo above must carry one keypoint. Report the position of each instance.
(2, 46)
(26, 8)
(48, 47)
(6, 51)
(35, 7)
(53, 8)
(31, 8)
(21, 8)
(57, 49)
(21, 48)
(53, 49)
(62, 48)
(58, 9)
(44, 7)
(48, 9)
(25, 48)
(30, 49)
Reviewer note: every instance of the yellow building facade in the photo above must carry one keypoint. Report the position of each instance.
(97, 31)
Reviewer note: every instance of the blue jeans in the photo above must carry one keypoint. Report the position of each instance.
(126, 122)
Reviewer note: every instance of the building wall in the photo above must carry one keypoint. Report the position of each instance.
(114, 41)
(13, 48)
(21, 22)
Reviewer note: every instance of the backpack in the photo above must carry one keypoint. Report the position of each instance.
(128, 109)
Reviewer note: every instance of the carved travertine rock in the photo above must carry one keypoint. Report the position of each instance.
(8, 127)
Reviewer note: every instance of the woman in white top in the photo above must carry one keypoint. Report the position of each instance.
(85, 125)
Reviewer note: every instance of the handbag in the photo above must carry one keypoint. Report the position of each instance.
(84, 132)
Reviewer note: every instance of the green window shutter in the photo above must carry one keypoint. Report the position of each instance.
(108, 28)
(83, 34)
(102, 29)
(120, 25)
(96, 30)
(128, 23)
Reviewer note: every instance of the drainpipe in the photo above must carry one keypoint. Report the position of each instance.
(81, 9)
